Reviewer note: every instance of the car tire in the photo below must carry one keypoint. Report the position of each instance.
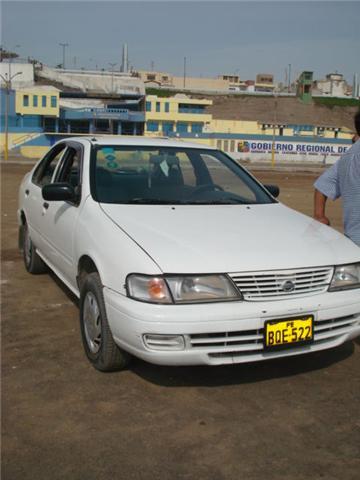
(97, 338)
(33, 263)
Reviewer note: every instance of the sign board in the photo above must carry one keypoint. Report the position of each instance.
(290, 151)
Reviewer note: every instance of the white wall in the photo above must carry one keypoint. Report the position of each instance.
(24, 79)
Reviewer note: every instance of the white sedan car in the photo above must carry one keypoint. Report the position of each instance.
(180, 257)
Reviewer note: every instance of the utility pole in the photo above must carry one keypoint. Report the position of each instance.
(184, 72)
(7, 80)
(63, 45)
(289, 79)
(274, 126)
(112, 65)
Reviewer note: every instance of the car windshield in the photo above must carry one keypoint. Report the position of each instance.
(163, 175)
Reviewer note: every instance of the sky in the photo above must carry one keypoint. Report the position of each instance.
(216, 37)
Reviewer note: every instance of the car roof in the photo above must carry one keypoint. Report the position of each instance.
(138, 141)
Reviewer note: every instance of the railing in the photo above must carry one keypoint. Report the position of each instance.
(23, 139)
(102, 110)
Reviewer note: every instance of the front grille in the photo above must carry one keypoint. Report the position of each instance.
(250, 342)
(277, 284)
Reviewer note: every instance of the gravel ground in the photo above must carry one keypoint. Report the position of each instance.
(287, 419)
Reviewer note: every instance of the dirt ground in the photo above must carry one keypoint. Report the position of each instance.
(61, 419)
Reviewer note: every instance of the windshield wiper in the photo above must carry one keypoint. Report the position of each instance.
(161, 201)
(228, 201)
(154, 201)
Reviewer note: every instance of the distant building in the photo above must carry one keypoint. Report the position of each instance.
(96, 102)
(264, 82)
(155, 79)
(334, 85)
(304, 87)
(234, 79)
(223, 83)
(176, 115)
(95, 81)
(265, 78)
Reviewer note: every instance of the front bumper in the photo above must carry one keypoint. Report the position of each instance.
(224, 333)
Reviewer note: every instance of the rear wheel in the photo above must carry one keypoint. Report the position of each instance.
(98, 341)
(32, 261)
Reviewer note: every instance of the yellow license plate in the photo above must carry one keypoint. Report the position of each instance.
(288, 332)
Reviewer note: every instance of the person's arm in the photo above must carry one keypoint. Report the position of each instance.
(319, 207)
(326, 186)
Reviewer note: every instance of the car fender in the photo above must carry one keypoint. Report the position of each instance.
(114, 253)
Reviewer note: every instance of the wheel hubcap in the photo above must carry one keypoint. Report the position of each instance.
(92, 322)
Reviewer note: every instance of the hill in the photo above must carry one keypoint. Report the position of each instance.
(286, 110)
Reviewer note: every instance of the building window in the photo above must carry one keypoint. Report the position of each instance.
(167, 127)
(197, 128)
(152, 126)
(158, 106)
(43, 101)
(26, 100)
(182, 127)
(53, 102)
(191, 108)
(148, 106)
(35, 100)
(151, 77)
(167, 107)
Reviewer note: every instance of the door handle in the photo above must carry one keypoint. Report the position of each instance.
(46, 205)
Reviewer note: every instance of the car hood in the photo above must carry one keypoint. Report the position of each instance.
(231, 238)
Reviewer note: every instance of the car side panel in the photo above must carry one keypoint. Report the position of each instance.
(114, 253)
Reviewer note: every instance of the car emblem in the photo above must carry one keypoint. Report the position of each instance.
(288, 286)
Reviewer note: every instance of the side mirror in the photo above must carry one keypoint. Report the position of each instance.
(58, 192)
(274, 190)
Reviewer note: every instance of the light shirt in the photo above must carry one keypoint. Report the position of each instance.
(343, 180)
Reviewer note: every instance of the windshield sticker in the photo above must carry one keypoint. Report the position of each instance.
(110, 157)
(107, 151)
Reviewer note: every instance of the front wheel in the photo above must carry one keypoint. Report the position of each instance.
(32, 261)
(98, 341)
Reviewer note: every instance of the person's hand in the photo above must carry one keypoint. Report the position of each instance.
(322, 219)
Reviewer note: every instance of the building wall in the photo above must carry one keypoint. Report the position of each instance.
(24, 74)
(266, 78)
(35, 105)
(159, 78)
(334, 88)
(162, 112)
(198, 83)
(163, 79)
(235, 126)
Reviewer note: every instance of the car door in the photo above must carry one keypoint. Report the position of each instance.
(33, 203)
(61, 216)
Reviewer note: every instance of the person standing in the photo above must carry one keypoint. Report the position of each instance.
(342, 180)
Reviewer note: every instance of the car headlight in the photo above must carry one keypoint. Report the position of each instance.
(345, 277)
(181, 288)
